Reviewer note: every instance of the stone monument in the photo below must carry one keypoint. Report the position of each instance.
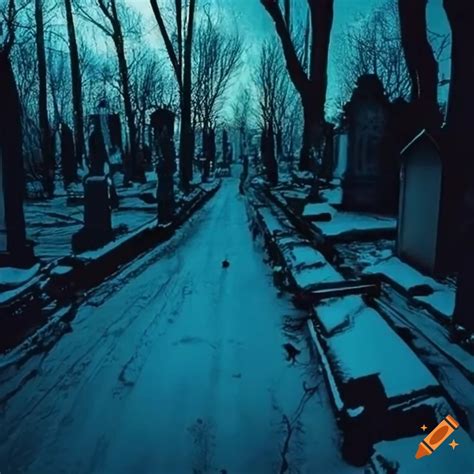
(162, 122)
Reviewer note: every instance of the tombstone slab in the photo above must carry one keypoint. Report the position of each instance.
(424, 234)
(97, 229)
(367, 173)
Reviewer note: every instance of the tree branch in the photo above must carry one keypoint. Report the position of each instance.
(295, 69)
(166, 38)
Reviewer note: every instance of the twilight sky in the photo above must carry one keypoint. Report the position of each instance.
(255, 24)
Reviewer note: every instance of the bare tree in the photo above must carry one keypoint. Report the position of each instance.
(76, 82)
(217, 59)
(372, 45)
(421, 63)
(45, 128)
(151, 87)
(180, 56)
(242, 118)
(273, 91)
(312, 86)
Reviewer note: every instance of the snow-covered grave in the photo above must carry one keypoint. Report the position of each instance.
(271, 222)
(439, 297)
(361, 349)
(346, 226)
(360, 343)
(319, 212)
(14, 277)
(17, 282)
(308, 267)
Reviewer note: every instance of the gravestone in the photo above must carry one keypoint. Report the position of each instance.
(162, 122)
(341, 143)
(367, 116)
(15, 250)
(424, 234)
(97, 230)
(268, 155)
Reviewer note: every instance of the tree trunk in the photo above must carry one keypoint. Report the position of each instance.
(421, 63)
(186, 154)
(12, 187)
(312, 138)
(78, 111)
(460, 130)
(45, 130)
(135, 173)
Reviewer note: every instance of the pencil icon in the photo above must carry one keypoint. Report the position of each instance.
(437, 437)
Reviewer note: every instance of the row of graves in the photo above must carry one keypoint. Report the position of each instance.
(96, 193)
(412, 182)
(388, 182)
(378, 175)
(105, 164)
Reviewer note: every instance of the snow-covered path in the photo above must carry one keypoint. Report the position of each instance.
(175, 365)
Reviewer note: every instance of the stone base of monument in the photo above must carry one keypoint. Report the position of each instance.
(360, 194)
(97, 230)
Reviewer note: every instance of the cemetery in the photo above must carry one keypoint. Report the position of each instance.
(236, 239)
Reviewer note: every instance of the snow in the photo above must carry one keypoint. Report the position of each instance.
(353, 225)
(405, 275)
(10, 295)
(369, 346)
(316, 211)
(401, 453)
(13, 277)
(314, 276)
(302, 194)
(94, 254)
(175, 365)
(309, 267)
(442, 299)
(300, 255)
(332, 196)
(44, 216)
(60, 270)
(336, 314)
(272, 223)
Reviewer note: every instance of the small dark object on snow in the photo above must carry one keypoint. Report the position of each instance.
(292, 352)
(225, 264)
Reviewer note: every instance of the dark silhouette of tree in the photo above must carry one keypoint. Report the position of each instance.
(45, 129)
(311, 86)
(459, 131)
(180, 58)
(11, 149)
(217, 58)
(76, 81)
(112, 28)
(421, 63)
